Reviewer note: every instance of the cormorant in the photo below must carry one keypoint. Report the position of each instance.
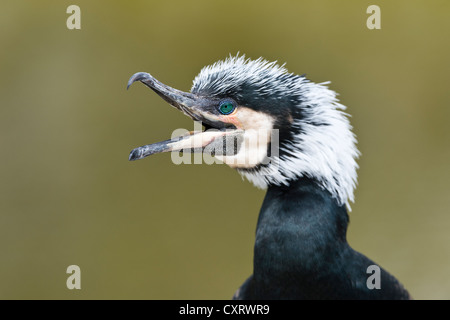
(305, 156)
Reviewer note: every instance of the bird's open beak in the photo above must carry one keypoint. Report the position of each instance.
(198, 108)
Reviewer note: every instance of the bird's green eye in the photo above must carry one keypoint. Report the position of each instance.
(226, 107)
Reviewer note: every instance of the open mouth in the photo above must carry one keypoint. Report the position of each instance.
(217, 136)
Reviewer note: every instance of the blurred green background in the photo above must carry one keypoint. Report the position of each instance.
(153, 230)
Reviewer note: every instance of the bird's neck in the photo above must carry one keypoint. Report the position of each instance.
(301, 230)
(304, 209)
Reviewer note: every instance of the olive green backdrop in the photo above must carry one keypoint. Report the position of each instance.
(153, 230)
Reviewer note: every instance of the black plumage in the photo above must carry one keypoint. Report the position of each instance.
(301, 250)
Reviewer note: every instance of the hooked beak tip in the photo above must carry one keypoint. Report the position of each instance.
(135, 155)
(139, 76)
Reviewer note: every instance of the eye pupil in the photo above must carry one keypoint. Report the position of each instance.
(226, 107)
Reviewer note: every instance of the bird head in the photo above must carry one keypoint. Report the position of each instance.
(281, 126)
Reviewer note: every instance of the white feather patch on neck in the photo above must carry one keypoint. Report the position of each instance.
(324, 150)
(326, 153)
